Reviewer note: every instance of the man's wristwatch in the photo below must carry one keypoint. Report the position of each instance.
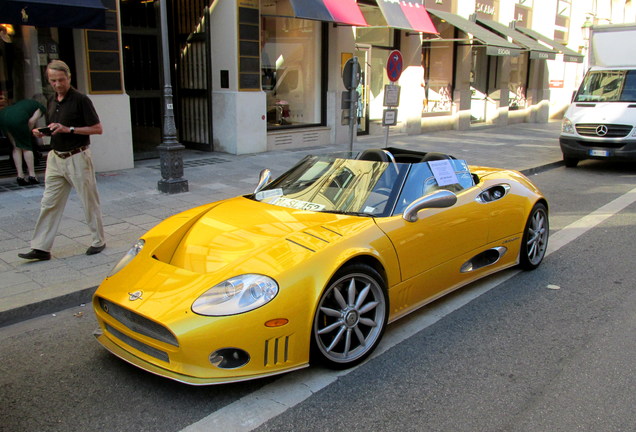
(72, 129)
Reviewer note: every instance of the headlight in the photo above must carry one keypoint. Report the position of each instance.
(567, 126)
(236, 295)
(137, 247)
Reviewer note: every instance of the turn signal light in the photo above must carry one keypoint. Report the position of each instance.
(276, 322)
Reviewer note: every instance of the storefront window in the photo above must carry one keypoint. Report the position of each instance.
(437, 62)
(517, 83)
(290, 71)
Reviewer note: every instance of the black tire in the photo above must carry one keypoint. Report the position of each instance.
(570, 162)
(535, 238)
(350, 318)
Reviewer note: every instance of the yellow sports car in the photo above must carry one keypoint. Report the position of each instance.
(313, 265)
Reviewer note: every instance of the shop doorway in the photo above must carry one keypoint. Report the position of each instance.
(193, 95)
(363, 52)
(485, 92)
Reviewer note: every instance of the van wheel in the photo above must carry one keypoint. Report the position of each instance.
(570, 162)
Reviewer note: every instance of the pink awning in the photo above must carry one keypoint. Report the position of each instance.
(407, 15)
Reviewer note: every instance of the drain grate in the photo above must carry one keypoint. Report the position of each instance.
(196, 162)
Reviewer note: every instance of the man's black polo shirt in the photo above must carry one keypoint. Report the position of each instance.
(76, 110)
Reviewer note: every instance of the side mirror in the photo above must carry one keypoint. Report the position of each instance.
(439, 199)
(263, 179)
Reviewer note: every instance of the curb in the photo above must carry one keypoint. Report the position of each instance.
(84, 296)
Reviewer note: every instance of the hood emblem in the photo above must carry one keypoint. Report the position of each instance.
(601, 130)
(137, 295)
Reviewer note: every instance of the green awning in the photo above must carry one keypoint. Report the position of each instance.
(569, 55)
(495, 45)
(537, 51)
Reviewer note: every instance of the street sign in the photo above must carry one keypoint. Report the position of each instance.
(351, 74)
(394, 65)
(389, 117)
(391, 95)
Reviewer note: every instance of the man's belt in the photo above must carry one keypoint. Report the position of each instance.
(68, 154)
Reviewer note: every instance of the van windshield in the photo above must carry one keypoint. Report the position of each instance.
(608, 86)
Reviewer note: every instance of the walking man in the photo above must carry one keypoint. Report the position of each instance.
(71, 118)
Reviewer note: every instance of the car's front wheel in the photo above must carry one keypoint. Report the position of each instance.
(535, 238)
(350, 318)
(570, 162)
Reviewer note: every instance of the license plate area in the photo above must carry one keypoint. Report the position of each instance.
(599, 153)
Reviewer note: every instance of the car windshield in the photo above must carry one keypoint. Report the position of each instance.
(608, 86)
(344, 185)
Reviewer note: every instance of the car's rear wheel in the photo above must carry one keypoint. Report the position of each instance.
(350, 318)
(535, 238)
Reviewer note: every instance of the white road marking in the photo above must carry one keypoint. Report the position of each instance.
(253, 410)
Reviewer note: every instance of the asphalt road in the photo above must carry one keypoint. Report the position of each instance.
(548, 350)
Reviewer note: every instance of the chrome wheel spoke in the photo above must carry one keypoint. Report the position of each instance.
(331, 327)
(336, 339)
(347, 346)
(368, 322)
(369, 307)
(360, 336)
(362, 296)
(339, 298)
(330, 312)
(351, 292)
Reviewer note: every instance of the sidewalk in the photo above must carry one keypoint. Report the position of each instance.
(131, 205)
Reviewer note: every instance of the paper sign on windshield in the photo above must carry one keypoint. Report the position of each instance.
(444, 172)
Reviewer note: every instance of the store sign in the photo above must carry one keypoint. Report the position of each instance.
(556, 83)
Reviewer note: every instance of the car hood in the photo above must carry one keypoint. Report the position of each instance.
(239, 230)
(603, 112)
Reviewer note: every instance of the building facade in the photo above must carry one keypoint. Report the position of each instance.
(253, 76)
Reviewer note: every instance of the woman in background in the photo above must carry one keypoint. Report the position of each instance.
(17, 121)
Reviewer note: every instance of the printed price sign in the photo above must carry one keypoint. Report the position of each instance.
(443, 172)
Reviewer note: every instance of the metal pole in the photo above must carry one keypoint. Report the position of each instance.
(353, 106)
(170, 151)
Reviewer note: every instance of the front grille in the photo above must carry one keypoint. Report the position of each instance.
(613, 130)
(140, 346)
(138, 323)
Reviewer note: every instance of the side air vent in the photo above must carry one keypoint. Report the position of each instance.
(486, 258)
(493, 193)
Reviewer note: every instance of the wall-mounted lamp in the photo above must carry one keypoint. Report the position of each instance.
(585, 28)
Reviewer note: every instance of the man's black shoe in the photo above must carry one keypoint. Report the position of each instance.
(36, 254)
(95, 249)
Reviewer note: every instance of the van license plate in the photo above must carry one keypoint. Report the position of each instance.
(602, 153)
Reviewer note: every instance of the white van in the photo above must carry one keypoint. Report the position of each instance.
(601, 121)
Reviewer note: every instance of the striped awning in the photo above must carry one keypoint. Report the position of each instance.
(338, 11)
(407, 15)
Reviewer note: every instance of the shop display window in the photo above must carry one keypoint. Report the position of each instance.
(290, 71)
(518, 82)
(437, 62)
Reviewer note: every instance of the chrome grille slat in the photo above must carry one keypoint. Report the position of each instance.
(138, 323)
(140, 346)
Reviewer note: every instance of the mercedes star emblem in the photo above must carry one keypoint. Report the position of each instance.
(601, 130)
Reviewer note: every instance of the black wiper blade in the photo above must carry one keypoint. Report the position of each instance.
(347, 213)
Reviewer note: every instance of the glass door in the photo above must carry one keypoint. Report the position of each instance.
(363, 52)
